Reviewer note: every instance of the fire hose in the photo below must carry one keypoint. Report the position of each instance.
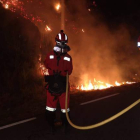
(100, 123)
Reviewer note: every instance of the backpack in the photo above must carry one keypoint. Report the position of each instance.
(56, 84)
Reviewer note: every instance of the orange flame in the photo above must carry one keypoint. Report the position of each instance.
(57, 7)
(42, 68)
(47, 28)
(83, 30)
(100, 85)
(6, 6)
(117, 84)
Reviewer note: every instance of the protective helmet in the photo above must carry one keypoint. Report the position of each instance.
(61, 41)
(61, 38)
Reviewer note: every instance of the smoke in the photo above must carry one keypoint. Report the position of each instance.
(100, 52)
(107, 53)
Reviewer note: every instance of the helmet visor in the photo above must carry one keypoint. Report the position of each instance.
(61, 44)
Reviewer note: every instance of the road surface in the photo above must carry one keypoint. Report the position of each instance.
(88, 112)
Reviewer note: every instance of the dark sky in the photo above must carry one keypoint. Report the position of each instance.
(118, 7)
(119, 11)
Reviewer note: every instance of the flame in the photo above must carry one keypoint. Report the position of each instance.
(100, 85)
(6, 6)
(57, 6)
(89, 10)
(117, 84)
(47, 28)
(83, 30)
(42, 68)
(19, 6)
(9, 3)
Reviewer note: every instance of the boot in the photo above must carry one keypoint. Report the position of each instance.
(50, 117)
(65, 123)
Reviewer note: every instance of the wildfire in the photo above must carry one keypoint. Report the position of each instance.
(42, 68)
(44, 71)
(100, 85)
(57, 7)
(19, 6)
(8, 3)
(117, 84)
(47, 28)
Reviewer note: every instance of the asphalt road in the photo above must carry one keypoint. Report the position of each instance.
(126, 127)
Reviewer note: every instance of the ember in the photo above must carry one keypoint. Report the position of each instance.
(6, 6)
(89, 10)
(47, 28)
(57, 6)
(19, 6)
(83, 30)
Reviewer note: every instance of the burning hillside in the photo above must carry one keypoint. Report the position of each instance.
(95, 85)
(97, 50)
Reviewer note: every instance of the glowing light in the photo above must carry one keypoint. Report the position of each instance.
(6, 6)
(57, 7)
(89, 10)
(83, 30)
(48, 28)
(117, 84)
(130, 82)
(138, 44)
(42, 68)
(99, 85)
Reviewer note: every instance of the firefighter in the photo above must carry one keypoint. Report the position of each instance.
(59, 63)
(138, 43)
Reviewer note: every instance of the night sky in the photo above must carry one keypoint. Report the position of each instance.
(127, 11)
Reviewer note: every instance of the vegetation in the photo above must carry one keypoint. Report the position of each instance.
(22, 85)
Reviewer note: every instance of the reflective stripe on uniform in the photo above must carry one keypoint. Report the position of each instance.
(66, 37)
(51, 56)
(50, 108)
(64, 110)
(59, 35)
(138, 44)
(67, 58)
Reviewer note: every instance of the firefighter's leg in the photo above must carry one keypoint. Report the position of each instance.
(51, 111)
(50, 116)
(65, 123)
(63, 111)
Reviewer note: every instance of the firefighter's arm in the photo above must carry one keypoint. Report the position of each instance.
(46, 61)
(70, 66)
(46, 76)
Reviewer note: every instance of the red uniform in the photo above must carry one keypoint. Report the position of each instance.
(62, 65)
